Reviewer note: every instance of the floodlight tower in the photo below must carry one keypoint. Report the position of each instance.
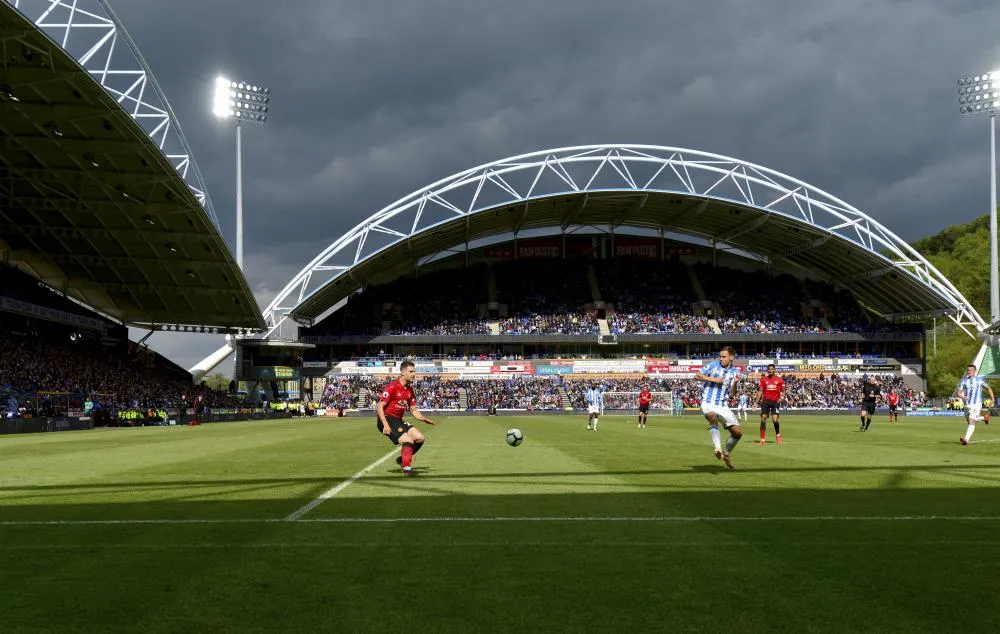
(243, 103)
(981, 94)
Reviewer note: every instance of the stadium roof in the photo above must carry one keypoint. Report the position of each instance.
(91, 204)
(724, 202)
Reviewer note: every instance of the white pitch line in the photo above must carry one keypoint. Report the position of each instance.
(411, 520)
(326, 495)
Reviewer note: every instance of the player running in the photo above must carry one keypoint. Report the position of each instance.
(397, 397)
(645, 398)
(970, 390)
(719, 378)
(771, 387)
(870, 393)
(741, 406)
(892, 398)
(595, 400)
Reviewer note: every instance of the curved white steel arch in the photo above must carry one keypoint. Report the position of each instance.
(635, 168)
(92, 34)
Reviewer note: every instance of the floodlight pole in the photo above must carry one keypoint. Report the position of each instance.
(994, 282)
(239, 196)
(243, 103)
(981, 94)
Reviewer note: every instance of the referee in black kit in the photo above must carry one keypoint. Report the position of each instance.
(869, 395)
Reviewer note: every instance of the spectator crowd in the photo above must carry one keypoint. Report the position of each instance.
(61, 375)
(548, 393)
(561, 297)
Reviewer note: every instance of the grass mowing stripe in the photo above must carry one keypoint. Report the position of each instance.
(414, 520)
(326, 495)
(666, 543)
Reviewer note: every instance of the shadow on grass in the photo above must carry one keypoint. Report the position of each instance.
(427, 497)
(428, 472)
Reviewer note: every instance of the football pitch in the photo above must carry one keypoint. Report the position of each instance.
(308, 525)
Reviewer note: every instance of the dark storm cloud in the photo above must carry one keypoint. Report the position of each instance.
(373, 100)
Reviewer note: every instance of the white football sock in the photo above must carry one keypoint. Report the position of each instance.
(595, 424)
(968, 432)
(716, 436)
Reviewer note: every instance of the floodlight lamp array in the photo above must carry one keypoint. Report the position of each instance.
(979, 93)
(241, 101)
(207, 330)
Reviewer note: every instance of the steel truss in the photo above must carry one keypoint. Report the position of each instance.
(90, 31)
(635, 168)
(638, 169)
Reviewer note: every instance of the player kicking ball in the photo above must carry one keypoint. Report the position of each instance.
(396, 398)
(719, 378)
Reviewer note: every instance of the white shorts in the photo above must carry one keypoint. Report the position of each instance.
(972, 411)
(593, 409)
(723, 412)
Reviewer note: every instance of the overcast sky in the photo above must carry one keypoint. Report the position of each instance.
(374, 99)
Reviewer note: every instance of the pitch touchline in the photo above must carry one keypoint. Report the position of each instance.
(326, 495)
(407, 520)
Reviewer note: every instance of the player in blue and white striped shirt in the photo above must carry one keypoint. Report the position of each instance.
(741, 407)
(719, 378)
(970, 390)
(595, 401)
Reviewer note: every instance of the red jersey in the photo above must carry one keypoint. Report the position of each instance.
(645, 398)
(397, 399)
(892, 398)
(771, 388)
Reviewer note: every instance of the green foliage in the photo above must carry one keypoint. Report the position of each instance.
(962, 254)
(217, 381)
(944, 242)
(955, 351)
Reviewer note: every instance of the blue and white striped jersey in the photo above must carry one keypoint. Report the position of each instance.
(972, 386)
(743, 400)
(594, 397)
(716, 393)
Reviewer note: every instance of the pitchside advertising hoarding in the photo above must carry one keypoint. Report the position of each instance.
(549, 370)
(671, 368)
(609, 366)
(519, 369)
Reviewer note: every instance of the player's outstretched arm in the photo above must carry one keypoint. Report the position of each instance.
(417, 415)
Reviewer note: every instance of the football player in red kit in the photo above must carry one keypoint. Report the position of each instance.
(892, 398)
(645, 398)
(396, 399)
(771, 387)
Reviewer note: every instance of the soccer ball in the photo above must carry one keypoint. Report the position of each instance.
(514, 437)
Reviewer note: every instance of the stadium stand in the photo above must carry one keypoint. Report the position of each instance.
(650, 298)
(100, 231)
(554, 302)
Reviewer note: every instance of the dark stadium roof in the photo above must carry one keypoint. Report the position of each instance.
(90, 205)
(687, 194)
(789, 241)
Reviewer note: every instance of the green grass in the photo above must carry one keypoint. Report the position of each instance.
(183, 529)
